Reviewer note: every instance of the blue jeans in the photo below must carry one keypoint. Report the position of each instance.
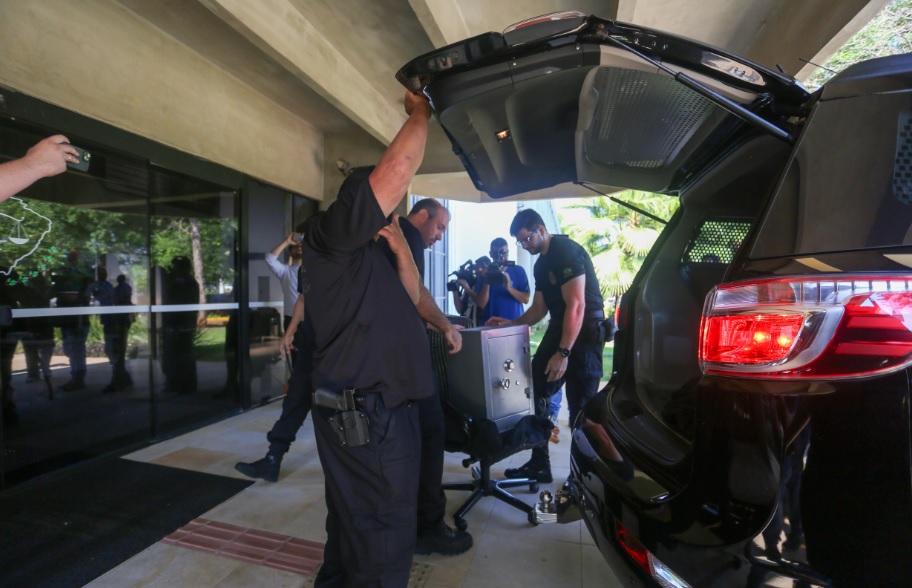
(555, 402)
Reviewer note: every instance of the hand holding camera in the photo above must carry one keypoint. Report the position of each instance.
(496, 274)
(466, 272)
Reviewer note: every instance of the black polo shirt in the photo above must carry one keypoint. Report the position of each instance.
(367, 331)
(564, 261)
(415, 243)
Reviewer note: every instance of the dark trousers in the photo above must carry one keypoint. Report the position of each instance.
(584, 372)
(298, 336)
(431, 499)
(115, 333)
(8, 341)
(297, 402)
(179, 359)
(371, 492)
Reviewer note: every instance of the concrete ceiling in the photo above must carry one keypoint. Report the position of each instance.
(332, 64)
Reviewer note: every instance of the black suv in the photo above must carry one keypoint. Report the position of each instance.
(756, 428)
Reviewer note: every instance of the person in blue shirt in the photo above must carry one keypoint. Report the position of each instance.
(505, 292)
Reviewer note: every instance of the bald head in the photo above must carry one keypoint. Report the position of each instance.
(431, 218)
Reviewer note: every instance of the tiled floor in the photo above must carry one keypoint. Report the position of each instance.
(508, 551)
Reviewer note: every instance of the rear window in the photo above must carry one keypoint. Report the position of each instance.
(849, 185)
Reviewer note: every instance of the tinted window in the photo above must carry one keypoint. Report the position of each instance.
(848, 186)
(716, 241)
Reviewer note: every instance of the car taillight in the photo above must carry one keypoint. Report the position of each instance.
(820, 327)
(644, 559)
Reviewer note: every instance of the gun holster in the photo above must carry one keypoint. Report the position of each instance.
(349, 423)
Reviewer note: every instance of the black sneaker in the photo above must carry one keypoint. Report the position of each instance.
(443, 540)
(533, 472)
(265, 469)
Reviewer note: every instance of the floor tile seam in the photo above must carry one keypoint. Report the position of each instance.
(236, 531)
(271, 552)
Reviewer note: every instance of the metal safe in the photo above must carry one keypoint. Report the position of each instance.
(491, 378)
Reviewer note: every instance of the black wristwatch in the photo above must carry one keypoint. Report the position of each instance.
(563, 351)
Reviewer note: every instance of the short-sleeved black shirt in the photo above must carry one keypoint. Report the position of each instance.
(367, 331)
(415, 243)
(564, 261)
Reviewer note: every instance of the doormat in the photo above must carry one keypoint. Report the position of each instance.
(72, 528)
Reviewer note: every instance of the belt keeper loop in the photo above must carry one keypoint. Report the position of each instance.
(350, 398)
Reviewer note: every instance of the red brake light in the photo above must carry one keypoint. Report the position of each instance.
(662, 574)
(749, 338)
(633, 548)
(821, 327)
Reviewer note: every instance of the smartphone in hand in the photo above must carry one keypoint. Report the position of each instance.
(84, 157)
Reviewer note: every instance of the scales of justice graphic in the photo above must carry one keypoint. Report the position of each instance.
(19, 236)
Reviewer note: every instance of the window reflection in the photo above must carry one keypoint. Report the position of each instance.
(122, 280)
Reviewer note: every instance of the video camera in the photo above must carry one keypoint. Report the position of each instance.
(494, 274)
(465, 272)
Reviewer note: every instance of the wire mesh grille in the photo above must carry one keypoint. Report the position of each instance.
(902, 167)
(716, 241)
(642, 119)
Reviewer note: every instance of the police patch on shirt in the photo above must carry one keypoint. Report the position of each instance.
(568, 272)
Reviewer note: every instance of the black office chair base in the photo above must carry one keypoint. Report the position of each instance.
(483, 486)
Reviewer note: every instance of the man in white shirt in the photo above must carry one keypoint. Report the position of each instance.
(288, 275)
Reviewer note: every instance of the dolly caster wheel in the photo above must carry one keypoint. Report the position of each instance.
(461, 524)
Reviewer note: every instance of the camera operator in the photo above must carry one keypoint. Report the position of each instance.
(505, 286)
(465, 287)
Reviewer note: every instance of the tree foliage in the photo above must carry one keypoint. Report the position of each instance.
(888, 33)
(90, 234)
(618, 237)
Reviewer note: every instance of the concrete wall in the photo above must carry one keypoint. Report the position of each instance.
(99, 59)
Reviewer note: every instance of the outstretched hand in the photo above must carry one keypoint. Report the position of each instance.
(50, 156)
(497, 321)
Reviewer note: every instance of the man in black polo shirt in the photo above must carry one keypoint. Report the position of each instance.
(571, 349)
(368, 337)
(425, 225)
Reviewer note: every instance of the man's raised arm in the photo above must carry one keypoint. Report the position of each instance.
(396, 168)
